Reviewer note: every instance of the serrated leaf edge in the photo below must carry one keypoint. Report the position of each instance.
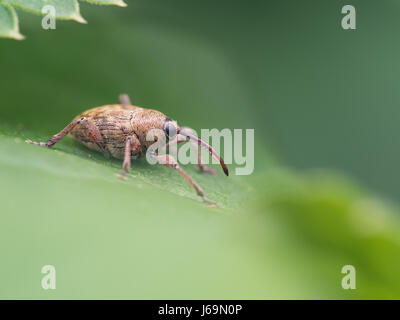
(75, 17)
(119, 3)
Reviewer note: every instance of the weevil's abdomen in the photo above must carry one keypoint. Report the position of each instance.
(114, 125)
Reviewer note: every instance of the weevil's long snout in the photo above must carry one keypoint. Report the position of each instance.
(205, 145)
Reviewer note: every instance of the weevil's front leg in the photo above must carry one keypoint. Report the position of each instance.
(54, 139)
(169, 161)
(132, 143)
(176, 140)
(179, 138)
(124, 99)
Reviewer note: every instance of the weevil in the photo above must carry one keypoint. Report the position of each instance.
(120, 131)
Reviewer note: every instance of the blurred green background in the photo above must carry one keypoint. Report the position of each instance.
(324, 193)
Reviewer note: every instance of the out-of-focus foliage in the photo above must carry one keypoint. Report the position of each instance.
(280, 233)
(64, 9)
(9, 23)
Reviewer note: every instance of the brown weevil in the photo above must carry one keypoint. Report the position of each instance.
(120, 131)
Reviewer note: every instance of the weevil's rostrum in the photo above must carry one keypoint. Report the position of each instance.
(121, 131)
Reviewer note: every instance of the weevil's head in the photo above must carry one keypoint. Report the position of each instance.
(151, 123)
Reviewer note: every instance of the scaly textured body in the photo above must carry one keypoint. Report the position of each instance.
(120, 130)
(115, 123)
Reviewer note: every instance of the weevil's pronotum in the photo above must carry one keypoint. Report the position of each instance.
(120, 131)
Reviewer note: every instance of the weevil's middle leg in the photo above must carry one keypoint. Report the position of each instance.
(132, 143)
(57, 137)
(169, 161)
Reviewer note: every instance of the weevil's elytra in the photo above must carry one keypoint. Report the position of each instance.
(114, 125)
(120, 131)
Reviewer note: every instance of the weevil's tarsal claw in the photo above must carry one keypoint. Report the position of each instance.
(205, 145)
(122, 175)
(209, 202)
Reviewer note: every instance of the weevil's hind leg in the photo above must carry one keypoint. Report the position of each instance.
(124, 99)
(169, 161)
(90, 131)
(181, 138)
(54, 139)
(132, 143)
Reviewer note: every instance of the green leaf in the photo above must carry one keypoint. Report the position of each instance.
(65, 9)
(119, 3)
(68, 207)
(150, 236)
(9, 23)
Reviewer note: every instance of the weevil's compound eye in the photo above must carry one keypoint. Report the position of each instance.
(170, 129)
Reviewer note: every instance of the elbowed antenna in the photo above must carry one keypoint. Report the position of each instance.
(204, 144)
